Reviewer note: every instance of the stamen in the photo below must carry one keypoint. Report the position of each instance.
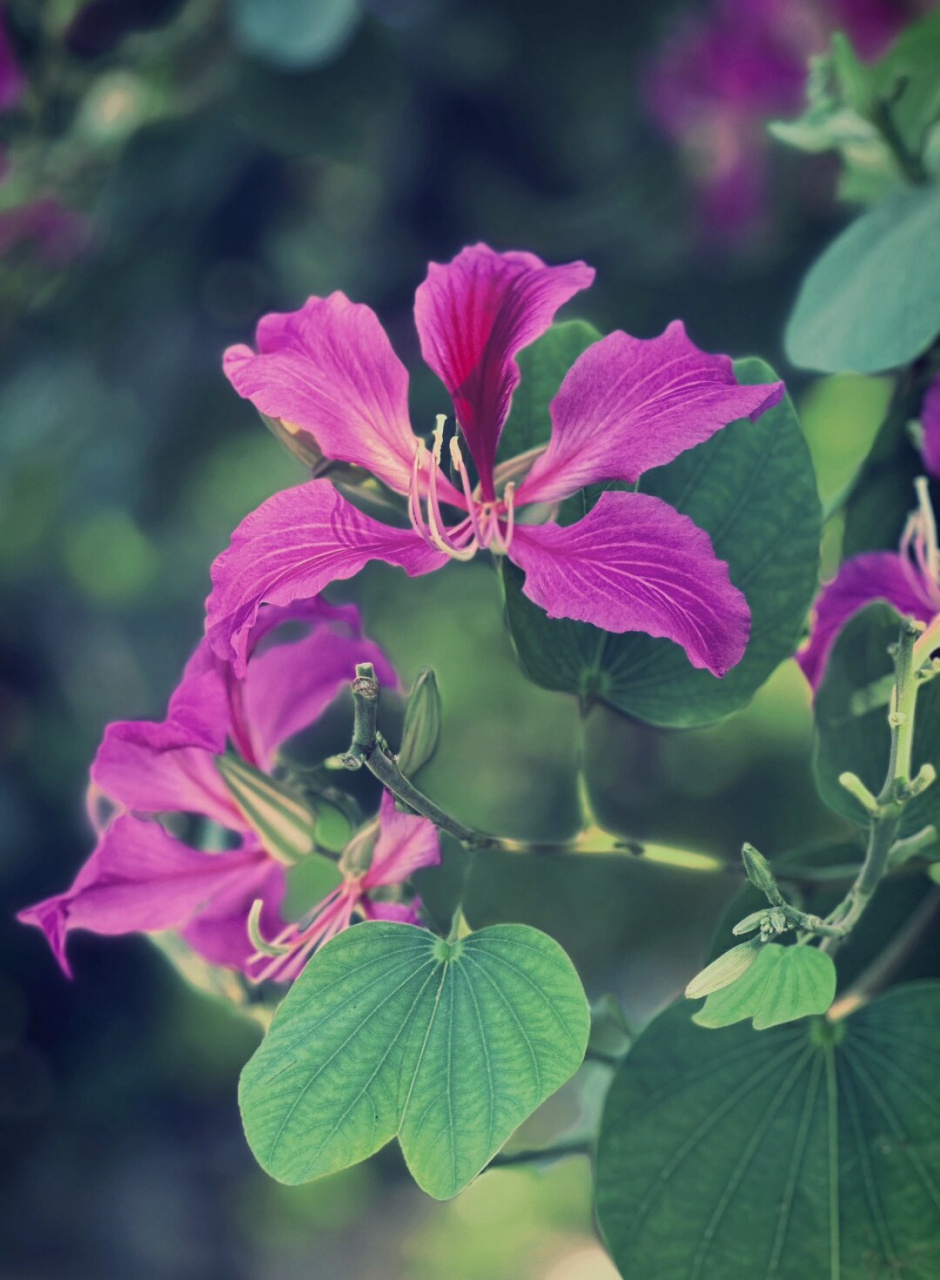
(456, 458)
(436, 526)
(500, 541)
(929, 552)
(256, 937)
(414, 494)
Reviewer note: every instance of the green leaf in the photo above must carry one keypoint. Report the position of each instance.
(872, 301)
(542, 366)
(852, 735)
(782, 984)
(392, 1031)
(753, 489)
(811, 1151)
(295, 33)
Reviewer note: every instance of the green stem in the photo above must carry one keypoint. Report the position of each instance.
(579, 1148)
(885, 820)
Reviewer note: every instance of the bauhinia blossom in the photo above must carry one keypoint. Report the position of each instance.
(142, 878)
(907, 579)
(633, 563)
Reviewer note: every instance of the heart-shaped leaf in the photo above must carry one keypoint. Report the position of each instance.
(783, 983)
(752, 487)
(852, 733)
(390, 1030)
(872, 301)
(812, 1150)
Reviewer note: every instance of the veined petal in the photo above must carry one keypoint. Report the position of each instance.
(406, 843)
(137, 770)
(879, 575)
(288, 686)
(630, 404)
(930, 421)
(473, 315)
(219, 932)
(330, 369)
(292, 547)
(139, 880)
(634, 563)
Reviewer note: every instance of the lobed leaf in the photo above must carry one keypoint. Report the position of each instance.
(392, 1031)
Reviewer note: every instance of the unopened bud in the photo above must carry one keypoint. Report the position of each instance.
(725, 970)
(422, 726)
(282, 822)
(759, 872)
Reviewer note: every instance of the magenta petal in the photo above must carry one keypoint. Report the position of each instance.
(633, 563)
(629, 404)
(880, 575)
(219, 932)
(473, 315)
(289, 686)
(406, 843)
(139, 879)
(292, 547)
(330, 369)
(930, 421)
(399, 912)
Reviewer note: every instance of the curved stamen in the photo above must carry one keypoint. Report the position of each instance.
(456, 458)
(414, 494)
(436, 526)
(929, 553)
(500, 541)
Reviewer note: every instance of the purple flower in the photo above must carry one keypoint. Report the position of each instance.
(141, 878)
(387, 851)
(632, 563)
(908, 579)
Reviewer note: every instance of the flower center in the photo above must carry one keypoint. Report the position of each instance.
(919, 548)
(487, 526)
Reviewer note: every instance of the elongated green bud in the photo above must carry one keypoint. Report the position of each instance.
(725, 970)
(759, 873)
(422, 723)
(283, 823)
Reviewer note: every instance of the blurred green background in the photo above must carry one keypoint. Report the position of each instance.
(227, 162)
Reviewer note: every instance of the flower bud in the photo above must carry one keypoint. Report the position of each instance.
(759, 873)
(725, 970)
(422, 723)
(283, 823)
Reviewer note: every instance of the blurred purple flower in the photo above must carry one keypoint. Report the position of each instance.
(141, 878)
(908, 579)
(721, 74)
(56, 233)
(633, 563)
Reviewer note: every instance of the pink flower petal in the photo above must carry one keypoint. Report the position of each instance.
(406, 843)
(219, 932)
(292, 547)
(473, 315)
(330, 369)
(880, 575)
(399, 912)
(930, 421)
(633, 563)
(137, 771)
(629, 404)
(139, 879)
